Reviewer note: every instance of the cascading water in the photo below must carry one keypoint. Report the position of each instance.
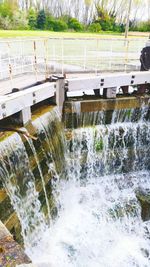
(98, 220)
(19, 183)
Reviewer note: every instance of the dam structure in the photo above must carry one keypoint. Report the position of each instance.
(75, 171)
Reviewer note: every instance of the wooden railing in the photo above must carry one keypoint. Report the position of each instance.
(58, 87)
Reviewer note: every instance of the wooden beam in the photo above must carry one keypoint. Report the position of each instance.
(108, 81)
(13, 103)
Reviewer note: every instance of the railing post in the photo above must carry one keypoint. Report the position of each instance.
(35, 59)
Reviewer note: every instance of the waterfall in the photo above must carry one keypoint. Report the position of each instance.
(19, 183)
(23, 175)
(99, 177)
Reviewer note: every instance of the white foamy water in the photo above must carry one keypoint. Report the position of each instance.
(99, 216)
(99, 219)
(99, 224)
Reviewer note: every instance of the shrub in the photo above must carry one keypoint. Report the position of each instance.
(74, 24)
(59, 25)
(118, 28)
(106, 25)
(94, 27)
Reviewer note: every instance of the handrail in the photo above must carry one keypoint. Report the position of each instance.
(58, 86)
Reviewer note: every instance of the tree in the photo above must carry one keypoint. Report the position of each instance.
(104, 19)
(32, 19)
(50, 22)
(6, 10)
(41, 19)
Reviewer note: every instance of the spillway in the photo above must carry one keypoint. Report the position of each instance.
(82, 195)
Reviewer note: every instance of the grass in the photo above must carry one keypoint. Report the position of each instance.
(16, 33)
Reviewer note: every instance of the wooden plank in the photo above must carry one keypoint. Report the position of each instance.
(16, 102)
(108, 80)
(94, 105)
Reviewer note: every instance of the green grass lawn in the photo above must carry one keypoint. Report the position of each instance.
(14, 33)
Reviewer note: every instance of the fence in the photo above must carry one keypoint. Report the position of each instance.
(65, 55)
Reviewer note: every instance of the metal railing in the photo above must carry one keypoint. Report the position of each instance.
(66, 55)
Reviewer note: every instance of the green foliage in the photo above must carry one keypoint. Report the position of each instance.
(74, 24)
(41, 20)
(95, 27)
(5, 23)
(65, 18)
(6, 10)
(99, 145)
(59, 26)
(144, 26)
(50, 22)
(19, 21)
(11, 17)
(32, 19)
(105, 21)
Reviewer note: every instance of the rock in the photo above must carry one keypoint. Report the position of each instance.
(11, 253)
(143, 197)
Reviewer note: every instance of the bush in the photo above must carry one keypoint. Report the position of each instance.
(94, 27)
(59, 26)
(74, 24)
(118, 28)
(106, 25)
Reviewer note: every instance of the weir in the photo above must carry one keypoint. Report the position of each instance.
(74, 188)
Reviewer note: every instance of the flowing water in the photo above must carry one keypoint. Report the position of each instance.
(99, 220)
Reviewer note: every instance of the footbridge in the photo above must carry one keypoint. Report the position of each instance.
(107, 91)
